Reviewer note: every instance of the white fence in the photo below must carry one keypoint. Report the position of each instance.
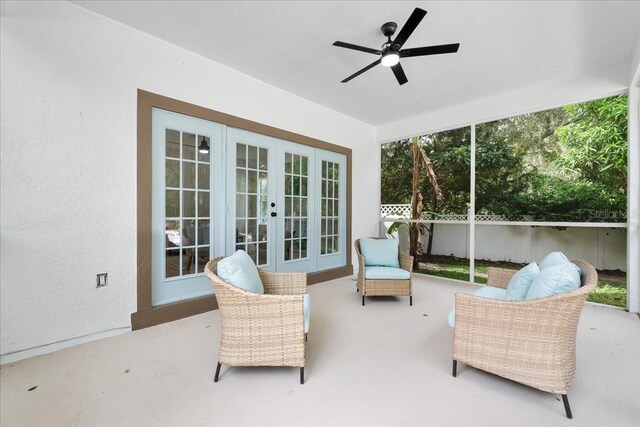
(605, 248)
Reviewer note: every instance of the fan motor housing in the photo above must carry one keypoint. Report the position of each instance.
(389, 28)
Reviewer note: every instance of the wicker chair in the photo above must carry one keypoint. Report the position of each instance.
(261, 329)
(370, 287)
(532, 342)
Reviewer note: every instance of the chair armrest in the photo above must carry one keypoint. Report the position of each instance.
(283, 283)
(406, 261)
(499, 277)
(520, 340)
(361, 268)
(262, 316)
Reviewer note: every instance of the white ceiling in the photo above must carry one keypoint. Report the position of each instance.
(503, 46)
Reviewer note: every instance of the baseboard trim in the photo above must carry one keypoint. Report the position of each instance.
(181, 309)
(173, 311)
(16, 356)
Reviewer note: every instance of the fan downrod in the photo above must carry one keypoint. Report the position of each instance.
(388, 29)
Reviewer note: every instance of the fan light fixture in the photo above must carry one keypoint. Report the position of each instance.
(203, 147)
(390, 58)
(391, 51)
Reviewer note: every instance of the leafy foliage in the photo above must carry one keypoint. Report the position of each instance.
(565, 164)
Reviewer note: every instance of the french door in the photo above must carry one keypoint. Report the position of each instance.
(281, 202)
(186, 202)
(273, 203)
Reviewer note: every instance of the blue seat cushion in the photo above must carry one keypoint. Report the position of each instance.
(490, 292)
(555, 280)
(240, 271)
(386, 273)
(380, 252)
(307, 313)
(521, 282)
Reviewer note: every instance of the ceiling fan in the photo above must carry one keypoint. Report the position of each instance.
(391, 51)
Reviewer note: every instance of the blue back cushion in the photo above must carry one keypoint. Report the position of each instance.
(240, 271)
(380, 252)
(554, 258)
(555, 280)
(521, 282)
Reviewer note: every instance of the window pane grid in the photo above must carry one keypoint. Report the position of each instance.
(329, 214)
(296, 201)
(187, 198)
(251, 202)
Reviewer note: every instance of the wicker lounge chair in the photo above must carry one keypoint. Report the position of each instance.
(532, 342)
(370, 287)
(261, 329)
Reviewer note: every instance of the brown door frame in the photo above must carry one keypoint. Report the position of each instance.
(147, 315)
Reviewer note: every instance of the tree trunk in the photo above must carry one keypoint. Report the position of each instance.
(432, 225)
(416, 202)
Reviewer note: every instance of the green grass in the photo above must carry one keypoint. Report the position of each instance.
(609, 294)
(611, 290)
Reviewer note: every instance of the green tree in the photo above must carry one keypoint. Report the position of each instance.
(594, 141)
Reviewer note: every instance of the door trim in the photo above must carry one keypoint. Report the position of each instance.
(146, 315)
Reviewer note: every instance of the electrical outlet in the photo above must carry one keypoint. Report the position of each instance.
(101, 280)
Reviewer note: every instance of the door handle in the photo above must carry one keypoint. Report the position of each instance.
(274, 214)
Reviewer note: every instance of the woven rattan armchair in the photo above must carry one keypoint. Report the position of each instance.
(261, 329)
(532, 342)
(370, 287)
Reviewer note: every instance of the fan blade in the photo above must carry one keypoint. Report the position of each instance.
(409, 26)
(429, 50)
(356, 47)
(399, 73)
(357, 73)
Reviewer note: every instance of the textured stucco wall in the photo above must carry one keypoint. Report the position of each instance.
(68, 160)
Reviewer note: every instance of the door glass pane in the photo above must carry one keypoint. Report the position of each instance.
(172, 233)
(203, 232)
(172, 173)
(172, 143)
(202, 258)
(203, 203)
(252, 182)
(172, 263)
(188, 204)
(252, 206)
(188, 146)
(188, 175)
(241, 156)
(172, 203)
(203, 176)
(252, 157)
(251, 202)
(329, 213)
(262, 253)
(263, 159)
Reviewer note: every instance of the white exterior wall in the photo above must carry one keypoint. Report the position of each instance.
(68, 161)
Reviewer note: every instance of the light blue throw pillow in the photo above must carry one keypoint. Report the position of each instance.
(380, 252)
(554, 280)
(521, 282)
(240, 271)
(554, 258)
